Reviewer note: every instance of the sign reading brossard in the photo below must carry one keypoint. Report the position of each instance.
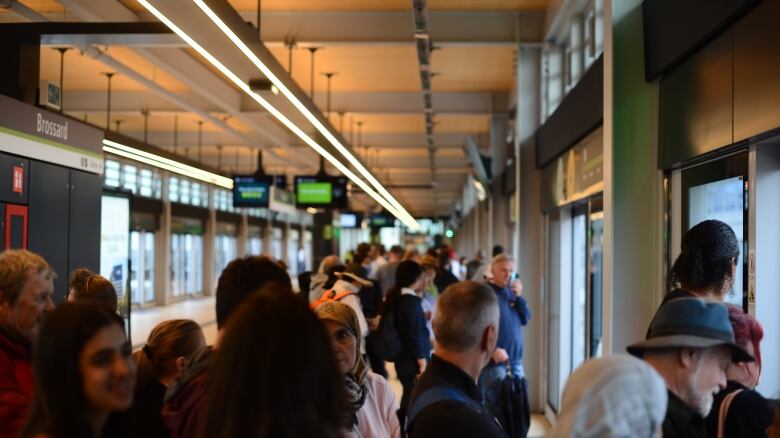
(51, 128)
(32, 132)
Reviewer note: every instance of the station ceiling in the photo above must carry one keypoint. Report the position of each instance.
(376, 102)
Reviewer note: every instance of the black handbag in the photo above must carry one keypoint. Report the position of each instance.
(507, 400)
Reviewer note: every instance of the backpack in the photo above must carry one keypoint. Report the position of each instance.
(388, 344)
(330, 295)
(434, 395)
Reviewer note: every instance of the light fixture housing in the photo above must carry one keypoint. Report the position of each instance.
(122, 150)
(384, 199)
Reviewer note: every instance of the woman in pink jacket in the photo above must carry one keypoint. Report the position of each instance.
(371, 403)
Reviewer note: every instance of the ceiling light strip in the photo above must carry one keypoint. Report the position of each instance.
(134, 154)
(191, 170)
(276, 113)
(302, 108)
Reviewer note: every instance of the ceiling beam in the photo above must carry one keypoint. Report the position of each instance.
(448, 28)
(353, 102)
(348, 28)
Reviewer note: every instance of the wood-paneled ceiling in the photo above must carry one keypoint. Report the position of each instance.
(376, 92)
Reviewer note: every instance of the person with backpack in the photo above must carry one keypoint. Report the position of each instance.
(446, 400)
(347, 290)
(404, 312)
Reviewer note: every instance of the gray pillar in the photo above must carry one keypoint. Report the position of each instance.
(527, 235)
(209, 249)
(242, 241)
(162, 242)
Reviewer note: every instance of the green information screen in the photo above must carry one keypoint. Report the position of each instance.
(314, 192)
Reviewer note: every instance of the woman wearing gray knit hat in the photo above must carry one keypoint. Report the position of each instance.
(371, 409)
(613, 397)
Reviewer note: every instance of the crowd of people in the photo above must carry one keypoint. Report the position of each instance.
(311, 361)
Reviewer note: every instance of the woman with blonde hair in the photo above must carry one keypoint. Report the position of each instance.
(170, 346)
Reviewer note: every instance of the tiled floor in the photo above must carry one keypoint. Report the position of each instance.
(202, 311)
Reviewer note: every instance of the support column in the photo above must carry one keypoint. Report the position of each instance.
(209, 249)
(286, 242)
(528, 231)
(162, 256)
(266, 233)
(242, 240)
(633, 188)
(322, 237)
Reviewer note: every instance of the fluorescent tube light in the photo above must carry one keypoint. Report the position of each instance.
(305, 111)
(166, 164)
(406, 218)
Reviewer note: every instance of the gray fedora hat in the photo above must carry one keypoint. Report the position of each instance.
(691, 323)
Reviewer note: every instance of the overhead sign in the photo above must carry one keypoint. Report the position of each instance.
(33, 132)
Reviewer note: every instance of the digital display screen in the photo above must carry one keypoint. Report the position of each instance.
(350, 220)
(320, 192)
(723, 200)
(251, 191)
(382, 220)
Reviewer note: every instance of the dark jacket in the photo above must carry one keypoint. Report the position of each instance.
(681, 421)
(146, 414)
(370, 299)
(185, 399)
(16, 385)
(749, 414)
(410, 323)
(444, 278)
(451, 418)
(514, 314)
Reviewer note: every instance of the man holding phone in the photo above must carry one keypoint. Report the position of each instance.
(514, 314)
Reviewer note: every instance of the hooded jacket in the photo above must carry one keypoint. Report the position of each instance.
(185, 399)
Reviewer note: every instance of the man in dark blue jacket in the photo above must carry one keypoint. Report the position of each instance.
(514, 315)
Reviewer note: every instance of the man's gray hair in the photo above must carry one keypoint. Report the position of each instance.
(463, 312)
(501, 258)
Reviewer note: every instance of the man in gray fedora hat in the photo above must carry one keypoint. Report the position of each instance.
(690, 344)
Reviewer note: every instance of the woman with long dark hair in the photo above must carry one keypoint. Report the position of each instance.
(170, 346)
(274, 374)
(405, 300)
(707, 264)
(371, 406)
(84, 374)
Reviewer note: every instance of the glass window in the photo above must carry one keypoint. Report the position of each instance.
(135, 262)
(195, 189)
(112, 174)
(149, 265)
(145, 183)
(276, 242)
(173, 189)
(186, 264)
(578, 289)
(130, 178)
(295, 260)
(184, 191)
(225, 252)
